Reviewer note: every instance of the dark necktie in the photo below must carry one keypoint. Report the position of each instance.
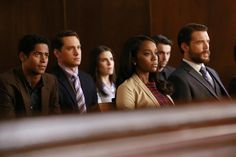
(206, 76)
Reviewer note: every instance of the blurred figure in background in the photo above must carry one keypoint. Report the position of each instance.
(164, 52)
(102, 69)
(232, 83)
(138, 86)
(27, 90)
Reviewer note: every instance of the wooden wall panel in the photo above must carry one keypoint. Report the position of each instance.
(222, 25)
(106, 22)
(21, 17)
(168, 16)
(113, 22)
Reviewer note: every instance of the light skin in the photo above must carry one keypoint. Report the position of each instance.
(198, 49)
(35, 64)
(70, 54)
(105, 66)
(164, 51)
(146, 60)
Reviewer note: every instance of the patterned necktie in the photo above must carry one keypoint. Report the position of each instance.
(206, 76)
(79, 94)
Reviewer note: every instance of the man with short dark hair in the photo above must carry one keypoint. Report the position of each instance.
(27, 90)
(193, 80)
(164, 52)
(77, 90)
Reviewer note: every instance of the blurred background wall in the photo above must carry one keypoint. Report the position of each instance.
(112, 22)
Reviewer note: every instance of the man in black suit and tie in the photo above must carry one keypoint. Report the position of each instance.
(77, 91)
(193, 80)
(164, 52)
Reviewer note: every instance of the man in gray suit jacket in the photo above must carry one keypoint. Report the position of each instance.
(193, 80)
(27, 90)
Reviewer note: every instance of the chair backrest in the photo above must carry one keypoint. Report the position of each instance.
(108, 106)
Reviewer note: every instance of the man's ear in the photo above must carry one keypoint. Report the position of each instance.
(184, 47)
(22, 57)
(56, 52)
(134, 62)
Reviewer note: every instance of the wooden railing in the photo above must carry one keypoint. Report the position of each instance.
(187, 131)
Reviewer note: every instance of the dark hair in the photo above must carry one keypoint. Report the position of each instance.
(57, 42)
(161, 39)
(93, 68)
(27, 43)
(130, 50)
(184, 35)
(127, 68)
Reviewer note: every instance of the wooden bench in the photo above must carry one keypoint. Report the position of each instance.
(187, 131)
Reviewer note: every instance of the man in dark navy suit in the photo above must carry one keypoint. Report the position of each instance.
(67, 49)
(164, 52)
(193, 80)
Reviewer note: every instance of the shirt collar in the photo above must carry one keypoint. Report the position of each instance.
(195, 66)
(38, 85)
(23, 78)
(69, 72)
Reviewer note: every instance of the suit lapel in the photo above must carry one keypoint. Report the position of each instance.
(218, 81)
(199, 78)
(146, 90)
(45, 99)
(26, 99)
(66, 85)
(24, 91)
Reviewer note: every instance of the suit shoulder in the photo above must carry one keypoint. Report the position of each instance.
(178, 72)
(56, 70)
(128, 83)
(84, 74)
(170, 68)
(9, 75)
(211, 69)
(5, 75)
(49, 76)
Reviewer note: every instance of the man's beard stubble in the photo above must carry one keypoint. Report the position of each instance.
(199, 58)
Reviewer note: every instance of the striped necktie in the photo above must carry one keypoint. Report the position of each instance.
(79, 94)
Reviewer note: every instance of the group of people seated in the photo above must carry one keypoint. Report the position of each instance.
(143, 79)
